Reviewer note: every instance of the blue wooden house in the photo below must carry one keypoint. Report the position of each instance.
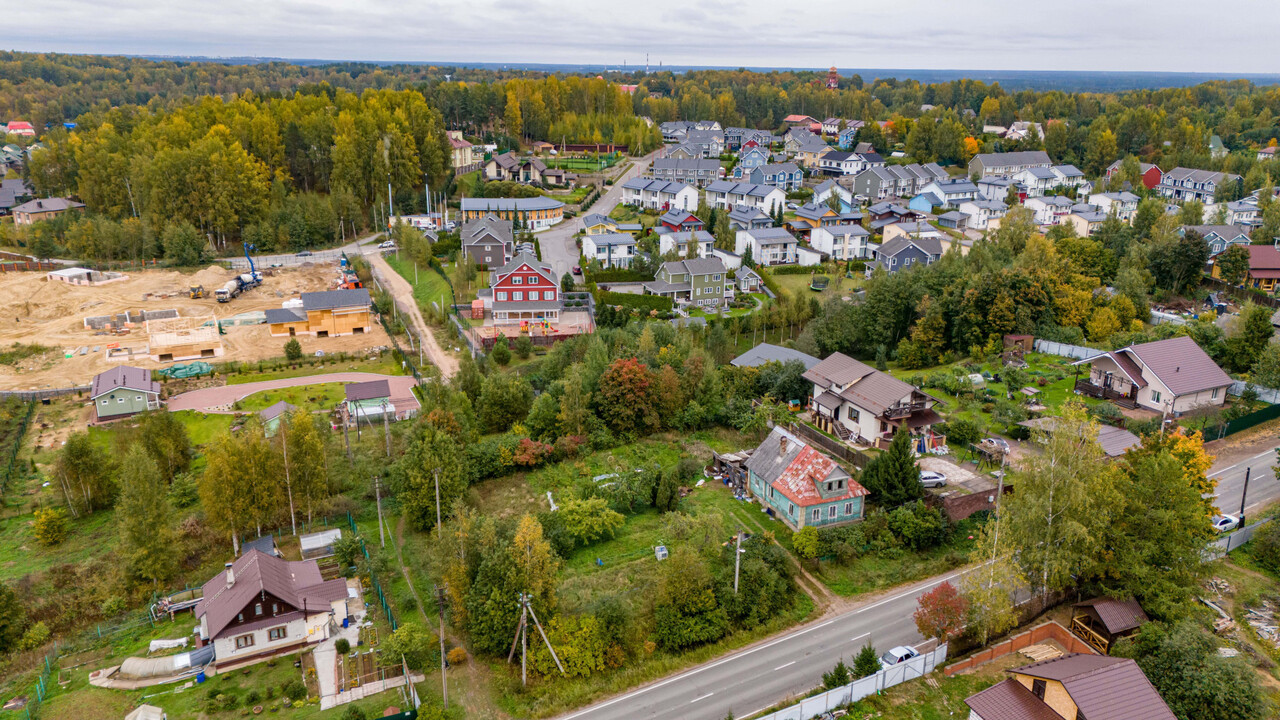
(801, 486)
(749, 158)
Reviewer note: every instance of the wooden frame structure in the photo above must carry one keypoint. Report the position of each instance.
(184, 338)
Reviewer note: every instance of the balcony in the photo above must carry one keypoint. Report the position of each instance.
(1085, 387)
(902, 410)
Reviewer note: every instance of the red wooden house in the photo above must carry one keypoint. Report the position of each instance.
(677, 220)
(523, 290)
(1151, 174)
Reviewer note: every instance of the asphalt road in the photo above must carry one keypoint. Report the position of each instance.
(1263, 487)
(558, 247)
(765, 674)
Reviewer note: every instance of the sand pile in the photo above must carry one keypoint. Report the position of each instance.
(211, 277)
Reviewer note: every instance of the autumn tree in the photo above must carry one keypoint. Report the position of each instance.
(86, 474)
(431, 455)
(306, 463)
(241, 485)
(942, 613)
(147, 536)
(589, 520)
(505, 399)
(626, 397)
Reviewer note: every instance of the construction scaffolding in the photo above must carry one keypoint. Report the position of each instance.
(184, 338)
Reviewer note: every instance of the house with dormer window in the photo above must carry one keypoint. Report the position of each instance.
(860, 404)
(801, 486)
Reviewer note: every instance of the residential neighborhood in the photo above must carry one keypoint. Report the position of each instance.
(729, 386)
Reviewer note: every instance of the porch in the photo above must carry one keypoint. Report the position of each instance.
(1127, 400)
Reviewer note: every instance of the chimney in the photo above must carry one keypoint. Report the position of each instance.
(231, 575)
(782, 446)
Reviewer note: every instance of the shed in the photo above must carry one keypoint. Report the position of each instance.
(265, 544)
(271, 416)
(1101, 621)
(319, 544)
(146, 712)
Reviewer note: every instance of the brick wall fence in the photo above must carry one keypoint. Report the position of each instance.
(1047, 631)
(959, 507)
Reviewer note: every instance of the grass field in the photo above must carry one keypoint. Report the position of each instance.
(383, 364)
(20, 552)
(799, 284)
(321, 396)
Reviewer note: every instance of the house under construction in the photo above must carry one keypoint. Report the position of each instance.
(184, 338)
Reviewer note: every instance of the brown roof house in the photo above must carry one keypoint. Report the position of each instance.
(1072, 687)
(261, 606)
(856, 402)
(1173, 376)
(1103, 620)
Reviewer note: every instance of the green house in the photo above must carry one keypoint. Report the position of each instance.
(123, 391)
(802, 486)
(701, 281)
(272, 416)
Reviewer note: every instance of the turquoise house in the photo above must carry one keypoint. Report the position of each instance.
(802, 486)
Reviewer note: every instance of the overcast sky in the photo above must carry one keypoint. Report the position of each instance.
(1222, 36)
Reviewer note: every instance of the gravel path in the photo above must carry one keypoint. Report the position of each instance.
(402, 292)
(220, 399)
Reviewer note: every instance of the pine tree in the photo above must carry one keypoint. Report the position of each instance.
(147, 537)
(867, 662)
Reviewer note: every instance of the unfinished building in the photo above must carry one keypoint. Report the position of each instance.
(184, 338)
(85, 276)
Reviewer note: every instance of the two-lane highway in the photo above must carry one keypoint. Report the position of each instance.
(1263, 487)
(764, 674)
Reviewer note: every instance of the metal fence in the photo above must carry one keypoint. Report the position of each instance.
(1265, 394)
(41, 687)
(916, 667)
(1244, 422)
(31, 395)
(12, 462)
(1223, 545)
(844, 452)
(1065, 350)
(377, 586)
(323, 256)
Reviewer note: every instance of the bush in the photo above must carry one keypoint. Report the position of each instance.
(294, 690)
(342, 645)
(642, 302)
(354, 713)
(524, 347)
(35, 636)
(252, 697)
(1265, 546)
(50, 526)
(457, 656)
(501, 354)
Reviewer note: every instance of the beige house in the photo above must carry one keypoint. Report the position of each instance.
(465, 157)
(1168, 376)
(1072, 687)
(329, 313)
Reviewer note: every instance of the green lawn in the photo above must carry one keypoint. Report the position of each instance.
(202, 428)
(799, 284)
(879, 571)
(21, 554)
(321, 396)
(383, 364)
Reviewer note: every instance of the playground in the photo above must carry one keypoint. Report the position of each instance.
(541, 332)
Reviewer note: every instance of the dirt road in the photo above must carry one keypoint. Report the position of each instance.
(402, 291)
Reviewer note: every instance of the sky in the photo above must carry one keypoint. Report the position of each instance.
(1224, 36)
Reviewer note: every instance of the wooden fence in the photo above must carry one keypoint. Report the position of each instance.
(835, 447)
(1242, 294)
(27, 265)
(1038, 634)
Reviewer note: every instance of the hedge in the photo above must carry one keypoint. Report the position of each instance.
(643, 302)
(617, 275)
(769, 282)
(795, 269)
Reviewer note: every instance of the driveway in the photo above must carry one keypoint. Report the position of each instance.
(402, 292)
(558, 248)
(221, 399)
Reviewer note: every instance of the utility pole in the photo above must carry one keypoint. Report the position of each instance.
(737, 560)
(1244, 494)
(386, 427)
(522, 637)
(390, 208)
(444, 679)
(436, 474)
(346, 437)
(377, 494)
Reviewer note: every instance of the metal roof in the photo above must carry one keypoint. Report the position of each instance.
(1103, 688)
(1117, 615)
(765, 352)
(1180, 364)
(297, 583)
(1009, 700)
(371, 390)
(508, 204)
(123, 376)
(334, 299)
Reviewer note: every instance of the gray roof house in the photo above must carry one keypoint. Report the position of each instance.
(854, 401)
(800, 485)
(903, 252)
(123, 391)
(746, 217)
(1182, 184)
(769, 246)
(766, 353)
(1007, 163)
(694, 171)
(489, 240)
(1220, 237)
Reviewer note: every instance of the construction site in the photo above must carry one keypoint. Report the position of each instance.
(152, 318)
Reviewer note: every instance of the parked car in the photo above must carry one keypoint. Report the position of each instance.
(929, 478)
(387, 245)
(451, 225)
(577, 269)
(897, 655)
(1225, 523)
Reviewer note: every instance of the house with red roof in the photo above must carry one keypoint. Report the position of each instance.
(522, 291)
(1168, 376)
(20, 127)
(261, 605)
(802, 486)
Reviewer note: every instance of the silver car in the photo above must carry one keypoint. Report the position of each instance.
(931, 479)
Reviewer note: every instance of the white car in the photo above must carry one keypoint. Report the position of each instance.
(929, 479)
(387, 245)
(1225, 523)
(898, 655)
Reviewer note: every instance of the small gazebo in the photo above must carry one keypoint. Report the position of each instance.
(1102, 621)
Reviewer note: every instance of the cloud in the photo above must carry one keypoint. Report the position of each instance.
(1123, 35)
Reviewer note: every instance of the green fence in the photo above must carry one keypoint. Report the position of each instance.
(11, 463)
(377, 586)
(41, 688)
(1244, 422)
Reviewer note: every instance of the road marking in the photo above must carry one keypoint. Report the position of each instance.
(704, 697)
(1243, 462)
(859, 637)
(793, 662)
(767, 645)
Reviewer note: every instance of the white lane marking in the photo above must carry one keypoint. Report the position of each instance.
(696, 671)
(859, 637)
(1243, 462)
(793, 662)
(704, 697)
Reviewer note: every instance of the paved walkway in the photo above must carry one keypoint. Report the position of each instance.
(221, 399)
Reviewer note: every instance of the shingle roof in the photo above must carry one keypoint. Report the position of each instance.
(123, 376)
(296, 583)
(733, 188)
(771, 235)
(489, 226)
(275, 411)
(283, 315)
(1009, 700)
(1117, 615)
(614, 239)
(1180, 364)
(45, 205)
(1103, 688)
(764, 352)
(696, 266)
(1024, 157)
(864, 386)
(371, 390)
(334, 299)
